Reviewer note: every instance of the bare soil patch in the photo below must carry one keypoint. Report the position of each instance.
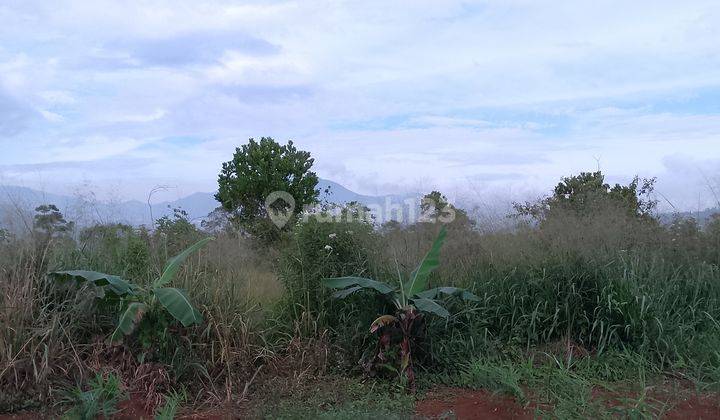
(470, 404)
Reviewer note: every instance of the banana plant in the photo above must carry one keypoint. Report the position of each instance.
(136, 300)
(411, 298)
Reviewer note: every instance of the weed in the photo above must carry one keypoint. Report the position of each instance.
(172, 403)
(101, 396)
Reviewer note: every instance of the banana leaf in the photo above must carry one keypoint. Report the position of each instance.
(343, 282)
(128, 321)
(173, 265)
(101, 282)
(419, 277)
(177, 303)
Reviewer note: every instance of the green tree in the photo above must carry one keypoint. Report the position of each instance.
(436, 207)
(50, 222)
(258, 169)
(176, 233)
(584, 194)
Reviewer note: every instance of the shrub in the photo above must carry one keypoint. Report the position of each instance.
(173, 234)
(320, 249)
(117, 248)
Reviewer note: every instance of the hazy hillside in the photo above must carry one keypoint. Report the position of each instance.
(19, 202)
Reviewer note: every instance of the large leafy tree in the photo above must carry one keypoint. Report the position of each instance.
(258, 169)
(586, 193)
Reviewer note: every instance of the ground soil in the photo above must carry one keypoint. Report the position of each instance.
(455, 403)
(465, 404)
(460, 403)
(696, 407)
(134, 409)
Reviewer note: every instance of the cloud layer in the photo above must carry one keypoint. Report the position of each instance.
(470, 97)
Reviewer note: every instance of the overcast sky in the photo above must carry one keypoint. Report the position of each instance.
(481, 98)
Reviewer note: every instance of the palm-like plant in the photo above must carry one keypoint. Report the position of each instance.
(411, 298)
(136, 300)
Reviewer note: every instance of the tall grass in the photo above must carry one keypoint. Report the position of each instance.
(597, 284)
(606, 284)
(52, 337)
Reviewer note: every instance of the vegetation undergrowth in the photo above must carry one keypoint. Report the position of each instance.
(616, 383)
(336, 397)
(101, 398)
(580, 295)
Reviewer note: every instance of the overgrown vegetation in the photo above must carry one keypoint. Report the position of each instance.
(586, 294)
(101, 398)
(412, 298)
(135, 301)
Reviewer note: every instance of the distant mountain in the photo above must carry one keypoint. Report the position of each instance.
(17, 205)
(338, 194)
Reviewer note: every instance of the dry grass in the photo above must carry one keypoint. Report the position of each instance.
(51, 339)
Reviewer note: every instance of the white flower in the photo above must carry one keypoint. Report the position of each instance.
(349, 232)
(332, 235)
(328, 248)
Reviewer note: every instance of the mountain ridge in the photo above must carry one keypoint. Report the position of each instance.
(21, 201)
(17, 206)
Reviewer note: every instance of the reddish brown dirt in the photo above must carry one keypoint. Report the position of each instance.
(696, 407)
(133, 408)
(21, 416)
(469, 404)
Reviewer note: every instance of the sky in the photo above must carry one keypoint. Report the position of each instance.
(479, 99)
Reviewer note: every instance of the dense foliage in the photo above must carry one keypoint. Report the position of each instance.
(258, 169)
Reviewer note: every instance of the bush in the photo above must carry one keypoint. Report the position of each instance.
(318, 250)
(116, 248)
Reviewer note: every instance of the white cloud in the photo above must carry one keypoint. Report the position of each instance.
(138, 118)
(384, 94)
(51, 116)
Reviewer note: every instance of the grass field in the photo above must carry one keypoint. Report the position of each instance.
(581, 316)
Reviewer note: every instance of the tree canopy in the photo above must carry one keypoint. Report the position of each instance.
(50, 222)
(588, 192)
(258, 169)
